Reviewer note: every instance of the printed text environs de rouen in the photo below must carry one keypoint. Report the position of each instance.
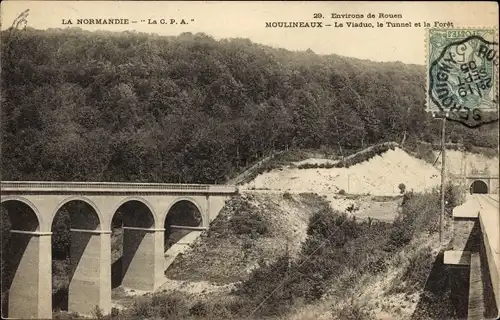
(357, 20)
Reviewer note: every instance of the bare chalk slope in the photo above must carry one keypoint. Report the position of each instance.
(380, 175)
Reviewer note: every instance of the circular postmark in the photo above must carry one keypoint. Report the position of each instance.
(463, 78)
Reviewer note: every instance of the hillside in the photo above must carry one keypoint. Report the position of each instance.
(366, 270)
(247, 233)
(380, 175)
(103, 106)
(370, 188)
(282, 200)
(281, 216)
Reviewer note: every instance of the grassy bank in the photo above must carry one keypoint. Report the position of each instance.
(247, 234)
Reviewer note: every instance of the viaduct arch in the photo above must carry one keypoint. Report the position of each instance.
(30, 291)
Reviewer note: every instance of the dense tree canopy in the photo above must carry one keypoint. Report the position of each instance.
(80, 105)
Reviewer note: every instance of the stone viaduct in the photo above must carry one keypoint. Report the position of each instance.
(30, 288)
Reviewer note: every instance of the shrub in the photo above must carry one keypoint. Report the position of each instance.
(368, 153)
(402, 188)
(247, 221)
(253, 223)
(325, 255)
(276, 161)
(323, 222)
(361, 156)
(115, 312)
(377, 266)
(160, 305)
(97, 313)
(452, 196)
(341, 192)
(418, 268)
(419, 213)
(386, 198)
(353, 312)
(424, 152)
(308, 166)
(401, 234)
(291, 156)
(61, 235)
(406, 197)
(287, 196)
(199, 309)
(263, 281)
(351, 208)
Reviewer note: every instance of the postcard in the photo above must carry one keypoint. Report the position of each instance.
(249, 160)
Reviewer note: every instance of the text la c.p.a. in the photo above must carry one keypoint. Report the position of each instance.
(166, 21)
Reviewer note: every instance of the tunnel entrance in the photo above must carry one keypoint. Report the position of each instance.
(19, 251)
(183, 213)
(478, 186)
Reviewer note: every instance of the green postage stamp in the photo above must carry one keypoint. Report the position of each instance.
(462, 78)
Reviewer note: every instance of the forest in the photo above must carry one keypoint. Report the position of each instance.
(129, 106)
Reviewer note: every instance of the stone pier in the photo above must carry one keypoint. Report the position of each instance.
(90, 277)
(30, 293)
(142, 258)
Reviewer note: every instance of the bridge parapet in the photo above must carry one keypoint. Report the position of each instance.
(489, 220)
(476, 244)
(112, 187)
(222, 189)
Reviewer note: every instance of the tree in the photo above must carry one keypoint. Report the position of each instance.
(80, 105)
(402, 188)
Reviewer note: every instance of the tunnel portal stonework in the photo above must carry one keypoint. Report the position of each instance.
(90, 254)
(476, 183)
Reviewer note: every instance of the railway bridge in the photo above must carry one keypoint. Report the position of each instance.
(32, 206)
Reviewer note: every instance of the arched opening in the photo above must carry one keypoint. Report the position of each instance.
(19, 257)
(73, 245)
(183, 213)
(478, 186)
(129, 228)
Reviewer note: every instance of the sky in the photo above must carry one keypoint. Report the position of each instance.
(248, 20)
